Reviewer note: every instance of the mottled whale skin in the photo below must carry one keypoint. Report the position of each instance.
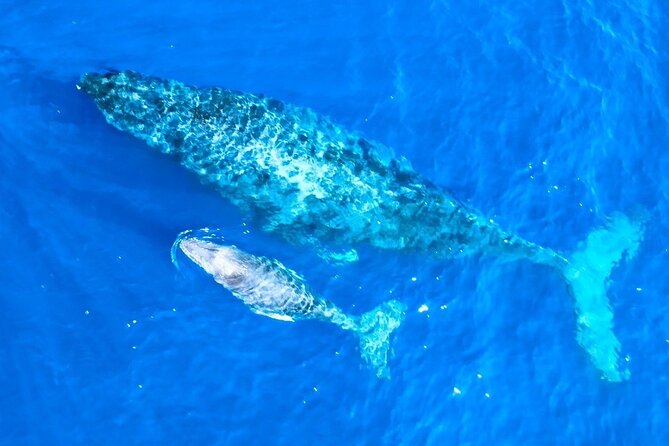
(271, 289)
(312, 182)
(297, 172)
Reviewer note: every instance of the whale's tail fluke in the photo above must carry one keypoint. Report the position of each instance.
(374, 329)
(587, 273)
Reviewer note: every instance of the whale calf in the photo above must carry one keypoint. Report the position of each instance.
(314, 183)
(270, 289)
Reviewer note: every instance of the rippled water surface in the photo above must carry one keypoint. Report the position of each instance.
(547, 116)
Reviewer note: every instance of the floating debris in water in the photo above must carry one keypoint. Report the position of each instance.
(423, 308)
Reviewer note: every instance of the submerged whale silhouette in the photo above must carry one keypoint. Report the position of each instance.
(314, 183)
(270, 289)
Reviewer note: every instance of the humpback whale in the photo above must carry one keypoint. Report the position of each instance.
(314, 183)
(271, 289)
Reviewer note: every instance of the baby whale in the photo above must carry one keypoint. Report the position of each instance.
(314, 183)
(270, 289)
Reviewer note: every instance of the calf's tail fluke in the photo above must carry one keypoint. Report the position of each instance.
(587, 273)
(374, 329)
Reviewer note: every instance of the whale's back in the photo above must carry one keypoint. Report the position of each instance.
(271, 289)
(292, 169)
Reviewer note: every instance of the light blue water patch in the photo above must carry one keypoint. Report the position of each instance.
(546, 117)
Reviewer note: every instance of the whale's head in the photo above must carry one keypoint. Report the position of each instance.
(226, 264)
(130, 101)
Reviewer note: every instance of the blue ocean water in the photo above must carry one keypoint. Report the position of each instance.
(548, 117)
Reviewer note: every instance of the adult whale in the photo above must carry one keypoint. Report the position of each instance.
(313, 182)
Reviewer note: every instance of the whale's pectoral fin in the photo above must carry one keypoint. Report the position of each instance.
(338, 257)
(277, 316)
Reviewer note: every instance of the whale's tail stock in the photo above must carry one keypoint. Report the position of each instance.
(586, 272)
